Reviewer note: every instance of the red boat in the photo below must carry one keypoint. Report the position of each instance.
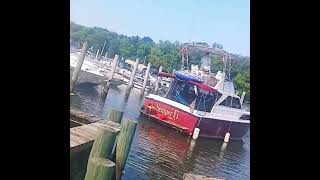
(198, 99)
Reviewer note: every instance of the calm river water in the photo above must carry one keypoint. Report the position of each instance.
(161, 153)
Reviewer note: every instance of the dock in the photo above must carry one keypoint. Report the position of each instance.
(81, 141)
(93, 143)
(82, 137)
(99, 73)
(78, 118)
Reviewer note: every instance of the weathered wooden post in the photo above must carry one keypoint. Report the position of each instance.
(100, 169)
(106, 56)
(114, 65)
(103, 48)
(123, 145)
(103, 143)
(77, 69)
(106, 88)
(145, 81)
(99, 57)
(115, 116)
(121, 60)
(171, 81)
(131, 81)
(155, 91)
(97, 54)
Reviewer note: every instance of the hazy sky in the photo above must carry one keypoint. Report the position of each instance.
(223, 21)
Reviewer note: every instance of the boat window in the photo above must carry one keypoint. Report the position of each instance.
(226, 102)
(236, 103)
(231, 102)
(206, 100)
(182, 93)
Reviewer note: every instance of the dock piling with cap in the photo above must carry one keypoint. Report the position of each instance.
(131, 81)
(156, 89)
(145, 80)
(106, 87)
(78, 66)
(123, 145)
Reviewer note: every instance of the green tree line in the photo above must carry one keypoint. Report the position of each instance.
(163, 53)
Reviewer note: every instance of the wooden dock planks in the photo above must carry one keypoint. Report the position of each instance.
(83, 136)
(82, 117)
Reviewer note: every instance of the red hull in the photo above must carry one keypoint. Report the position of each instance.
(171, 115)
(186, 122)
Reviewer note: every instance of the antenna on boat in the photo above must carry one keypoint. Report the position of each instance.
(228, 62)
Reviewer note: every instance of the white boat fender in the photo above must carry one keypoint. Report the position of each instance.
(196, 133)
(227, 137)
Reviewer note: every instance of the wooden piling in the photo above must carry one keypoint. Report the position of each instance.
(130, 83)
(78, 66)
(114, 66)
(106, 56)
(97, 54)
(103, 143)
(146, 76)
(155, 91)
(123, 145)
(121, 60)
(100, 169)
(115, 116)
(103, 48)
(106, 88)
(171, 81)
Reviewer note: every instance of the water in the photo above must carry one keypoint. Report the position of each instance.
(161, 153)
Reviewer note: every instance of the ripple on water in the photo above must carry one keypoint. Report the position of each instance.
(161, 153)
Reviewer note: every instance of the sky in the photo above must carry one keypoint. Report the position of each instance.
(223, 21)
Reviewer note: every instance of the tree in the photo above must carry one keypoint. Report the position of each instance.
(216, 64)
(143, 50)
(242, 83)
(164, 53)
(146, 40)
(126, 49)
(155, 58)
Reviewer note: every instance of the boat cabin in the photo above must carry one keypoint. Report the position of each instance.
(205, 97)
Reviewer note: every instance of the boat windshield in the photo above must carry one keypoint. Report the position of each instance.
(185, 93)
(232, 102)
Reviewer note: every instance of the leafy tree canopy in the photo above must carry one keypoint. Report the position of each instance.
(163, 53)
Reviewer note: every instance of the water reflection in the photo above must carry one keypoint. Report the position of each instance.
(75, 101)
(158, 152)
